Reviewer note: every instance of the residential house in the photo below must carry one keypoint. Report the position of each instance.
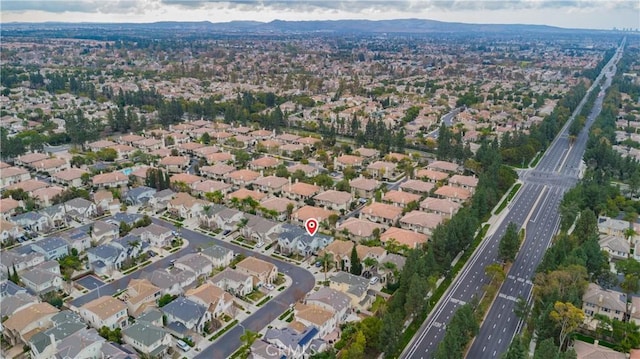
(9, 230)
(221, 217)
(220, 157)
(11, 175)
(140, 295)
(219, 256)
(261, 230)
(160, 200)
(85, 343)
(103, 232)
(186, 314)
(154, 234)
(32, 222)
(445, 207)
(175, 164)
(217, 172)
(403, 237)
(214, 298)
(277, 207)
(65, 324)
(80, 209)
(8, 207)
(98, 145)
(610, 303)
(27, 159)
(21, 258)
(242, 177)
(363, 187)
(344, 161)
(306, 212)
(243, 194)
(386, 214)
(422, 222)
(382, 170)
(418, 187)
(43, 278)
(44, 196)
(367, 153)
(285, 342)
(270, 184)
(334, 200)
(51, 247)
(295, 240)
(263, 272)
(105, 202)
(196, 263)
(309, 171)
(341, 251)
(400, 198)
(172, 281)
(233, 281)
(586, 350)
(617, 247)
(332, 300)
(360, 229)
(105, 258)
(110, 180)
(185, 206)
(431, 175)
(444, 166)
(105, 311)
(78, 239)
(354, 286)
(467, 182)
(139, 195)
(189, 180)
(209, 186)
(315, 316)
(71, 177)
(147, 339)
(50, 165)
(264, 163)
(300, 191)
(24, 323)
(613, 227)
(456, 194)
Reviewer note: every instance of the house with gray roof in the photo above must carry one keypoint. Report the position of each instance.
(56, 215)
(132, 245)
(78, 239)
(51, 247)
(147, 338)
(65, 324)
(8, 288)
(294, 239)
(199, 264)
(154, 234)
(233, 282)
(80, 209)
(331, 300)
(32, 222)
(106, 258)
(293, 343)
(218, 255)
(617, 247)
(190, 314)
(86, 343)
(139, 195)
(160, 200)
(171, 281)
(14, 303)
(21, 258)
(129, 218)
(41, 281)
(354, 286)
(116, 351)
(227, 219)
(103, 232)
(259, 229)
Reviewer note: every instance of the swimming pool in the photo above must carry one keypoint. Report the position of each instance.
(127, 171)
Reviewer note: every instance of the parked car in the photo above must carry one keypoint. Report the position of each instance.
(182, 345)
(374, 280)
(269, 286)
(259, 244)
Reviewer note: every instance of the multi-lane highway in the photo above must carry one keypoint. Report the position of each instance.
(536, 206)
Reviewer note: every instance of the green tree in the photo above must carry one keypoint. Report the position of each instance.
(416, 295)
(326, 259)
(517, 349)
(567, 317)
(509, 244)
(247, 338)
(357, 348)
(356, 266)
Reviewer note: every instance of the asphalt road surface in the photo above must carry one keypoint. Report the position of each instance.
(536, 205)
(302, 282)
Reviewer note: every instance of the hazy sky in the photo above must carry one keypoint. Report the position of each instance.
(596, 14)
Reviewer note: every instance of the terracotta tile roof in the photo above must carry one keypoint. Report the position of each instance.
(440, 205)
(404, 237)
(364, 184)
(418, 186)
(28, 185)
(431, 174)
(313, 314)
(265, 162)
(244, 175)
(400, 197)
(382, 210)
(422, 219)
(453, 192)
(243, 193)
(443, 166)
(468, 181)
(307, 212)
(333, 196)
(276, 204)
(302, 189)
(29, 315)
(360, 227)
(254, 265)
(109, 177)
(174, 161)
(186, 178)
(349, 160)
(139, 289)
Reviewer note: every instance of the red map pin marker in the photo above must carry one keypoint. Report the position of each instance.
(311, 225)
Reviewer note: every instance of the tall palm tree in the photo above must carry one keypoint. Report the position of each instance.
(325, 258)
(248, 337)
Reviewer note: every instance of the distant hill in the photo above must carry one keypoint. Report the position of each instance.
(416, 26)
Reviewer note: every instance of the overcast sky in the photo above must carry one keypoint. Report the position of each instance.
(594, 14)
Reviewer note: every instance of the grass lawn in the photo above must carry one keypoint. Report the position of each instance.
(255, 295)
